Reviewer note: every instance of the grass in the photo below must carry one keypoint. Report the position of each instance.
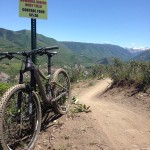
(4, 87)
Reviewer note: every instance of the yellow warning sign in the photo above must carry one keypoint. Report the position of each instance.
(33, 9)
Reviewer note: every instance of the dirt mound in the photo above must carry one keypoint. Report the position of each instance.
(128, 96)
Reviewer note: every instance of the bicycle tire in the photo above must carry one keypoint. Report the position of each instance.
(60, 77)
(19, 132)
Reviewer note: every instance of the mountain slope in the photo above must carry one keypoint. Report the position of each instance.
(69, 52)
(98, 51)
(144, 56)
(21, 40)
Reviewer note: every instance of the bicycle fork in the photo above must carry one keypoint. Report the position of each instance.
(21, 98)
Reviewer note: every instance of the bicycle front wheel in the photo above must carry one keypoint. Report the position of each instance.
(19, 124)
(62, 87)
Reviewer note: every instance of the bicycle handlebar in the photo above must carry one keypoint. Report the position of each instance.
(39, 51)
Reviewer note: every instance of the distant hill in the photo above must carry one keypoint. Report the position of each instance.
(69, 52)
(135, 51)
(144, 56)
(98, 51)
(21, 40)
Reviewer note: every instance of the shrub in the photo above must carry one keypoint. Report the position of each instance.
(76, 73)
(133, 72)
(79, 72)
(4, 87)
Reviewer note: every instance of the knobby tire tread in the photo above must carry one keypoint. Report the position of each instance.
(3, 102)
(57, 109)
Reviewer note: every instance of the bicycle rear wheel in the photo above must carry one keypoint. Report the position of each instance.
(19, 128)
(62, 85)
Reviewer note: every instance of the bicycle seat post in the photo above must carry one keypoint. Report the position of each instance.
(49, 64)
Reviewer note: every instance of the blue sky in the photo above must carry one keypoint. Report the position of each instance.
(120, 22)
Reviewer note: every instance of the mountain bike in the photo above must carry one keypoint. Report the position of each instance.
(20, 106)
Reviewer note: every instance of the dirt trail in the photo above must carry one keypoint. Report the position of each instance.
(124, 128)
(112, 125)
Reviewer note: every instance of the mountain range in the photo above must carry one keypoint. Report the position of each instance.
(69, 53)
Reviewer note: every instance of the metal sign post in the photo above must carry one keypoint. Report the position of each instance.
(33, 38)
(33, 46)
(34, 9)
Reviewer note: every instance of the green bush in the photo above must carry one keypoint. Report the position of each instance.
(76, 73)
(133, 72)
(3, 88)
(98, 71)
(79, 72)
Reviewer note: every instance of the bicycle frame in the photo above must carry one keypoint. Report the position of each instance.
(36, 76)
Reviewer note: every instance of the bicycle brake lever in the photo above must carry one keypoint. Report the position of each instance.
(9, 56)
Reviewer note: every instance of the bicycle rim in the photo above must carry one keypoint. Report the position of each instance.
(62, 86)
